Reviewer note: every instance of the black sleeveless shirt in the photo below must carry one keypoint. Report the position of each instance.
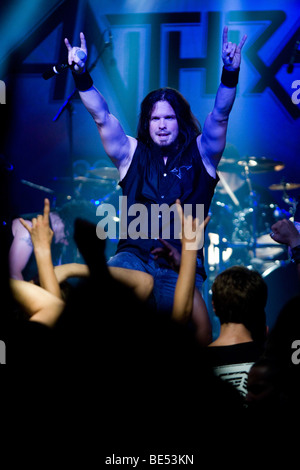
(149, 182)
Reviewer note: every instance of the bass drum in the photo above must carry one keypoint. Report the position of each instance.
(266, 215)
(270, 250)
(283, 284)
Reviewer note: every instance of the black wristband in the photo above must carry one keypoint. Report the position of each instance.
(83, 81)
(296, 254)
(230, 78)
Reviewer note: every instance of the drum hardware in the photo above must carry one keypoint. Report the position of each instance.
(249, 236)
(228, 190)
(291, 201)
(85, 179)
(269, 250)
(284, 186)
(80, 179)
(107, 173)
(253, 200)
(217, 252)
(260, 165)
(219, 228)
(82, 187)
(253, 164)
(37, 186)
(250, 245)
(224, 253)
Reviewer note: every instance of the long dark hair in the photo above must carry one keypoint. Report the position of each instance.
(189, 126)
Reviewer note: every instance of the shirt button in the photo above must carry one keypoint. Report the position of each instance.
(165, 174)
(162, 197)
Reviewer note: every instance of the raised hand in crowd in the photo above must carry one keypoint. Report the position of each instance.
(188, 302)
(284, 231)
(41, 236)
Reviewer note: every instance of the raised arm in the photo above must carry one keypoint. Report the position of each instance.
(211, 142)
(41, 236)
(188, 302)
(118, 146)
(184, 291)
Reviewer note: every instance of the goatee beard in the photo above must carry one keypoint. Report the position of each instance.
(167, 150)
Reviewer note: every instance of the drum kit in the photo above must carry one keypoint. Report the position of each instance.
(104, 180)
(241, 235)
(95, 185)
(238, 235)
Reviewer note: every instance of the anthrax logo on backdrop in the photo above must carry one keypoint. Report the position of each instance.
(155, 49)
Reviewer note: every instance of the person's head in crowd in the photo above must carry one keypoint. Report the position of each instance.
(239, 295)
(72, 210)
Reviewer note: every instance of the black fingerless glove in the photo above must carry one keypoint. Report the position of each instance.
(83, 81)
(230, 78)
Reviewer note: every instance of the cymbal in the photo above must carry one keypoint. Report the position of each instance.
(106, 172)
(284, 186)
(85, 179)
(252, 164)
(80, 179)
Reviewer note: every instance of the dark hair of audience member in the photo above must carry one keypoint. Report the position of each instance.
(239, 295)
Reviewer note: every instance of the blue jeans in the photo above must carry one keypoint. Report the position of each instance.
(164, 278)
(164, 283)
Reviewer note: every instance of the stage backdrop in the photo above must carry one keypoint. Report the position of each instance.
(136, 46)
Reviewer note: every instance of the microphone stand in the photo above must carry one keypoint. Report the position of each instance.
(69, 106)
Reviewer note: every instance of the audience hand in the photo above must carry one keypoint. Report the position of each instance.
(40, 232)
(284, 231)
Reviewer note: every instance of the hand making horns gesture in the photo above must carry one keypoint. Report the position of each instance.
(231, 53)
(77, 55)
(40, 230)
